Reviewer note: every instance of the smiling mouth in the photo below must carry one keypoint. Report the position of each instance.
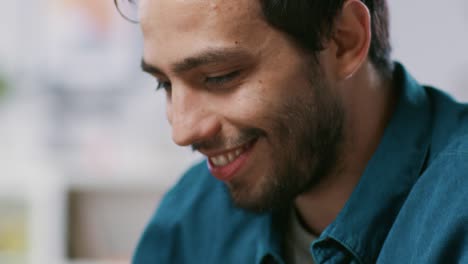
(227, 158)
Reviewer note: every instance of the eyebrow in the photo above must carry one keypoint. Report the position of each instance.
(210, 56)
(146, 67)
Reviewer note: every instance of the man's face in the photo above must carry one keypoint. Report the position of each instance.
(244, 95)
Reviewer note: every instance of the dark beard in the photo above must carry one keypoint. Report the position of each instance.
(309, 133)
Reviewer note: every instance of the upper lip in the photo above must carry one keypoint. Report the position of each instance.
(214, 153)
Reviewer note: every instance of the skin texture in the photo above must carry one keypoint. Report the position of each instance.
(315, 124)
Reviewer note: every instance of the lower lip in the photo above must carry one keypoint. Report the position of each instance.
(226, 173)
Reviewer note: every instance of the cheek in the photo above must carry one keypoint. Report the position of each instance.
(253, 105)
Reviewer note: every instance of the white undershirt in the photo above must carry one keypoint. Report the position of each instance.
(298, 241)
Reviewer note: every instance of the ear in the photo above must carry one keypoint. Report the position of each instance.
(351, 37)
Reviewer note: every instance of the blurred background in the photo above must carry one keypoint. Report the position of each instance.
(85, 149)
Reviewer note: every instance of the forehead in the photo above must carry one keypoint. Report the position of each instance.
(187, 14)
(173, 29)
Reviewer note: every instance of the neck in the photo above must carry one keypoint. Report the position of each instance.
(369, 105)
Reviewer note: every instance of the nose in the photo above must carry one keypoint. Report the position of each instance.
(190, 117)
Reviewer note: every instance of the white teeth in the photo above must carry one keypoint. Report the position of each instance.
(225, 159)
(238, 152)
(231, 156)
(214, 160)
(218, 160)
(222, 160)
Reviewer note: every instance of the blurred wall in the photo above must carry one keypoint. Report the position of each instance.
(78, 116)
(431, 38)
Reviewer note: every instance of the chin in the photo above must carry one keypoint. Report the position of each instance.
(266, 195)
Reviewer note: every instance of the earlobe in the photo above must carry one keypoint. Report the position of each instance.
(352, 37)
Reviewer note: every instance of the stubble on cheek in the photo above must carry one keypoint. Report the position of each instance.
(275, 171)
(302, 142)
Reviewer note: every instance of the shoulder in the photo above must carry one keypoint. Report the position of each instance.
(445, 177)
(431, 226)
(450, 122)
(196, 221)
(448, 152)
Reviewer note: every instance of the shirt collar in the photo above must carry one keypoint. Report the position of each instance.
(363, 224)
(271, 237)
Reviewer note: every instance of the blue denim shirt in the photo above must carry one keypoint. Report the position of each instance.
(410, 205)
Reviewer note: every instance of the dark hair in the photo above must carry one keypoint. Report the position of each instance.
(309, 22)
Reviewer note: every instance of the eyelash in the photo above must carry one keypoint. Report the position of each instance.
(163, 85)
(215, 80)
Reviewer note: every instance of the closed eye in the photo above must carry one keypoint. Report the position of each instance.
(216, 80)
(211, 81)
